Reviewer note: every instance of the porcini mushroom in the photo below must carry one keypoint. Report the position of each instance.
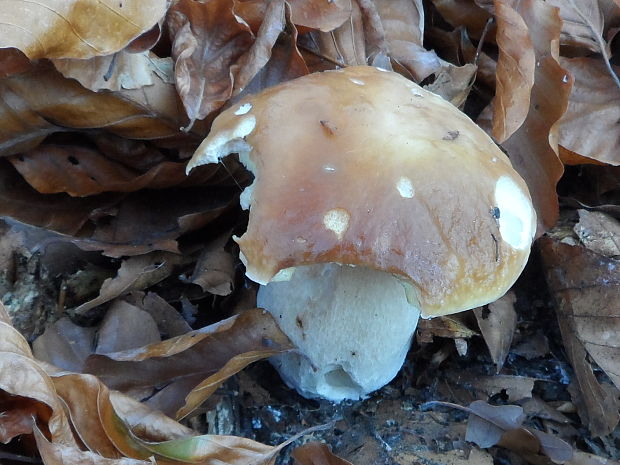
(374, 201)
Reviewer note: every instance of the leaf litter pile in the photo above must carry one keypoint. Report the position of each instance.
(129, 334)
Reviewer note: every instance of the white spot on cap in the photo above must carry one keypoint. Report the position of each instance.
(516, 214)
(337, 220)
(382, 69)
(329, 168)
(357, 81)
(243, 109)
(405, 187)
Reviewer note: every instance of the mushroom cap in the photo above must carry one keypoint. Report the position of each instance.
(363, 167)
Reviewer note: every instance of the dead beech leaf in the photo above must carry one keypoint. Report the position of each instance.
(489, 422)
(215, 268)
(21, 377)
(59, 454)
(443, 326)
(125, 327)
(200, 354)
(133, 227)
(169, 321)
(497, 324)
(40, 102)
(277, 18)
(403, 23)
(65, 28)
(207, 40)
(324, 16)
(515, 387)
(593, 108)
(343, 46)
(122, 70)
(135, 273)
(515, 71)
(586, 288)
(316, 453)
(81, 171)
(599, 232)
(582, 24)
(65, 345)
(464, 13)
(533, 148)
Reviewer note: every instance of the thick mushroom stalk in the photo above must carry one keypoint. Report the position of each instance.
(383, 199)
(352, 326)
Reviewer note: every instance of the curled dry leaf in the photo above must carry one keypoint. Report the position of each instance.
(207, 40)
(497, 324)
(65, 345)
(40, 102)
(533, 148)
(26, 386)
(586, 288)
(515, 71)
(122, 70)
(65, 28)
(59, 454)
(134, 274)
(343, 46)
(208, 353)
(403, 25)
(82, 171)
(316, 453)
(215, 268)
(125, 327)
(590, 125)
(324, 16)
(464, 13)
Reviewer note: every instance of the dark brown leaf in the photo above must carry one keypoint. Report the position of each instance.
(586, 288)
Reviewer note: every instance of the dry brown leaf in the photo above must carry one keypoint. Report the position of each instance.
(136, 273)
(125, 327)
(316, 453)
(586, 287)
(533, 148)
(403, 25)
(443, 326)
(65, 345)
(464, 13)
(599, 232)
(122, 70)
(590, 125)
(207, 40)
(41, 102)
(215, 268)
(169, 321)
(515, 71)
(199, 354)
(59, 454)
(252, 61)
(497, 325)
(343, 46)
(585, 23)
(322, 15)
(65, 28)
(22, 378)
(81, 171)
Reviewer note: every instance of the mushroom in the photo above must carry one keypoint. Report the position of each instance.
(374, 202)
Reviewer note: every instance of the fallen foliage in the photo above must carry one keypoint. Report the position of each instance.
(97, 122)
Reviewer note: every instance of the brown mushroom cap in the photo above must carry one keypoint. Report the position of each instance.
(363, 167)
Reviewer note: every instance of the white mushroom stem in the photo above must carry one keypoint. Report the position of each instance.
(353, 327)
